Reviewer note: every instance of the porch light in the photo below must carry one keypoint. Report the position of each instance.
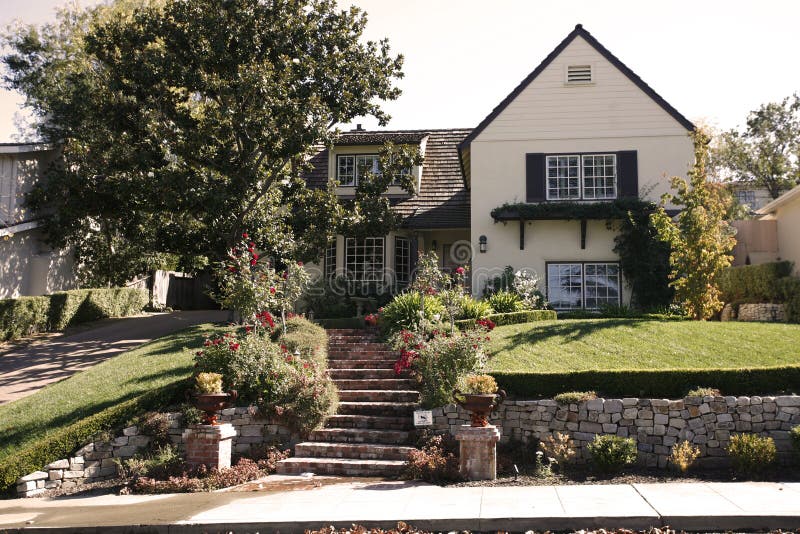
(482, 244)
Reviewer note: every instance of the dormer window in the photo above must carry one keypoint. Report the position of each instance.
(579, 74)
(349, 167)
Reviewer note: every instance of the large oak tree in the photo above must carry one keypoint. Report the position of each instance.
(182, 123)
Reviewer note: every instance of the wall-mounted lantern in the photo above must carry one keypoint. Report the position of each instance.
(482, 243)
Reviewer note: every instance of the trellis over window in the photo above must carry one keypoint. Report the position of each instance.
(525, 213)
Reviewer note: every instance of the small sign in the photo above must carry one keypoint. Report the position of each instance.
(423, 418)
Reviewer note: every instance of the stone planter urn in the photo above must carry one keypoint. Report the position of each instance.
(211, 403)
(480, 406)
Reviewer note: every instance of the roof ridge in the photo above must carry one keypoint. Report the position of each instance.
(614, 60)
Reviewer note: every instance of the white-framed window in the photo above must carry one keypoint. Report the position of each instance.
(746, 197)
(582, 176)
(330, 260)
(350, 166)
(587, 285)
(402, 259)
(364, 259)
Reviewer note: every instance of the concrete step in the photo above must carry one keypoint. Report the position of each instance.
(362, 374)
(362, 451)
(378, 395)
(378, 384)
(340, 467)
(361, 364)
(379, 408)
(377, 422)
(361, 435)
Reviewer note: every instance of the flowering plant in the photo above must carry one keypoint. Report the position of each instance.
(479, 384)
(526, 286)
(439, 360)
(209, 382)
(246, 282)
(371, 319)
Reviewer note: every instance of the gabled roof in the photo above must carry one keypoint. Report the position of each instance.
(22, 148)
(443, 198)
(782, 200)
(577, 32)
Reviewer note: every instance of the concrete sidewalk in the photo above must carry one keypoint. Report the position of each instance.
(26, 368)
(689, 506)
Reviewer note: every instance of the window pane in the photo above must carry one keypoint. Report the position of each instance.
(600, 176)
(602, 284)
(364, 259)
(345, 172)
(402, 259)
(564, 285)
(330, 261)
(563, 177)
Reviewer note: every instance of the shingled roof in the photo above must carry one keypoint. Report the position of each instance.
(443, 198)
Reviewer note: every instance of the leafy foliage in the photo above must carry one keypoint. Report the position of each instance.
(479, 384)
(765, 153)
(701, 240)
(609, 453)
(683, 455)
(501, 319)
(432, 462)
(574, 397)
(405, 310)
(758, 282)
(794, 437)
(473, 309)
(175, 137)
(615, 210)
(751, 454)
(505, 301)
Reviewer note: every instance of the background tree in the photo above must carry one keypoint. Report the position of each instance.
(181, 123)
(701, 240)
(767, 153)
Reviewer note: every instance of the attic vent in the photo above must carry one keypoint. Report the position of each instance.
(579, 74)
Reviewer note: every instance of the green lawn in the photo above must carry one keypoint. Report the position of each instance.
(158, 363)
(607, 344)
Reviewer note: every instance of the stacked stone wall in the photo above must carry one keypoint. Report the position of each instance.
(768, 313)
(656, 424)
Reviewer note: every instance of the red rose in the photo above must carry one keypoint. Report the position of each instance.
(299, 263)
(244, 235)
(252, 245)
(253, 262)
(459, 270)
(255, 256)
(272, 290)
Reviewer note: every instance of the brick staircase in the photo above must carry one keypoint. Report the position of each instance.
(370, 434)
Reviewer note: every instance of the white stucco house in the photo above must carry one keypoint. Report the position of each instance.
(28, 266)
(581, 128)
(783, 217)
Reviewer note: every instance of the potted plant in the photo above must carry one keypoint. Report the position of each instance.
(480, 396)
(209, 398)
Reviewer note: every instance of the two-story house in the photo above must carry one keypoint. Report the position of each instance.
(28, 266)
(581, 128)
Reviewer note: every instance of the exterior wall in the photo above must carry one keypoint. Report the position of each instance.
(656, 424)
(611, 114)
(756, 241)
(788, 217)
(29, 267)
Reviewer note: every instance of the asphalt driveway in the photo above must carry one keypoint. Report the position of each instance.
(26, 368)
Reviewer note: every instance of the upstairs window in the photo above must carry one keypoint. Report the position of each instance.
(746, 197)
(579, 74)
(582, 176)
(350, 167)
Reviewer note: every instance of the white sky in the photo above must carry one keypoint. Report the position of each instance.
(713, 60)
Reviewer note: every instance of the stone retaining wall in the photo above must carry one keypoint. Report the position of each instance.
(98, 460)
(769, 313)
(656, 424)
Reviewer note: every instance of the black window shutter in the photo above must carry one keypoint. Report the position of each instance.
(628, 174)
(534, 178)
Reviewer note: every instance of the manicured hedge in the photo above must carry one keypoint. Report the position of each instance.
(64, 442)
(27, 315)
(670, 383)
(501, 319)
(304, 336)
(756, 283)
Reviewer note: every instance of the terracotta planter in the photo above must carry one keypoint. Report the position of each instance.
(480, 406)
(211, 403)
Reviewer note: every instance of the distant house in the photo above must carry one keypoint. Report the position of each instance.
(783, 215)
(581, 129)
(28, 266)
(749, 195)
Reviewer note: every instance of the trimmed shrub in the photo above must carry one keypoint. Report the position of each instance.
(28, 315)
(703, 392)
(500, 319)
(574, 397)
(432, 462)
(23, 316)
(403, 312)
(62, 443)
(754, 282)
(610, 454)
(667, 383)
(794, 436)
(304, 336)
(474, 309)
(506, 302)
(751, 454)
(789, 291)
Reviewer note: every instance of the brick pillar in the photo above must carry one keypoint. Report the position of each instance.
(209, 445)
(478, 452)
